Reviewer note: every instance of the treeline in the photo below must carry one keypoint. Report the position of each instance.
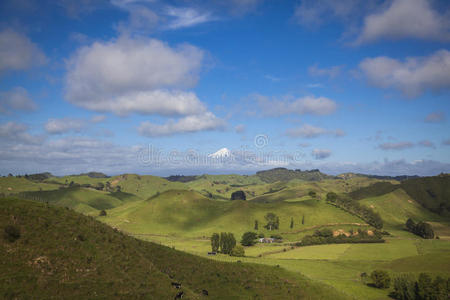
(223, 243)
(353, 206)
(422, 229)
(407, 287)
(325, 236)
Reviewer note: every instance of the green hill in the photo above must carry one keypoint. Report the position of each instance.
(12, 185)
(432, 193)
(190, 214)
(65, 255)
(283, 174)
(84, 200)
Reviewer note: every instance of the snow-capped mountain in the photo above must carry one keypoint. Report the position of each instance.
(222, 153)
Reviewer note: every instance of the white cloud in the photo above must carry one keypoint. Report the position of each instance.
(305, 105)
(64, 125)
(194, 123)
(17, 52)
(331, 72)
(137, 75)
(240, 128)
(182, 17)
(313, 13)
(406, 19)
(435, 117)
(321, 153)
(16, 99)
(309, 131)
(13, 133)
(412, 76)
(396, 146)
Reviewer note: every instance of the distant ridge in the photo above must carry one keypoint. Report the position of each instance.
(283, 174)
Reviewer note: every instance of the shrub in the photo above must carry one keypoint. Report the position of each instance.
(102, 213)
(381, 279)
(238, 251)
(238, 195)
(12, 233)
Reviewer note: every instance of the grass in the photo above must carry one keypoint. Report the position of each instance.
(189, 214)
(63, 254)
(183, 215)
(14, 185)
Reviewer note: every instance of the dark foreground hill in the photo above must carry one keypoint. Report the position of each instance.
(61, 254)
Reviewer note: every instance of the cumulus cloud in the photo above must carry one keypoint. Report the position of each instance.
(14, 133)
(17, 52)
(194, 123)
(305, 105)
(331, 72)
(64, 125)
(412, 76)
(309, 131)
(406, 19)
(321, 153)
(435, 117)
(137, 75)
(396, 146)
(16, 99)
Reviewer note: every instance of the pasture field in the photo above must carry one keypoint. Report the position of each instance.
(182, 216)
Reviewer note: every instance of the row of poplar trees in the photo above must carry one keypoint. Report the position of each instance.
(224, 243)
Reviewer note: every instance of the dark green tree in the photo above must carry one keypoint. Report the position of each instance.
(256, 225)
(238, 195)
(292, 223)
(102, 213)
(303, 220)
(272, 221)
(249, 238)
(404, 286)
(215, 242)
(332, 197)
(424, 287)
(381, 279)
(312, 194)
(410, 225)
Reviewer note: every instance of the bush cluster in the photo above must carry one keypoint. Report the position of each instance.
(407, 287)
(421, 229)
(325, 236)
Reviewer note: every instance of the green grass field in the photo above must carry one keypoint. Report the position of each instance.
(183, 216)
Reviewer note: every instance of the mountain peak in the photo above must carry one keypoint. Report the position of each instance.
(222, 153)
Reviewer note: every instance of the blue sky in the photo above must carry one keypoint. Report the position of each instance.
(155, 87)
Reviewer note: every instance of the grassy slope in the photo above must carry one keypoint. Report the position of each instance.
(12, 185)
(84, 200)
(143, 186)
(396, 207)
(189, 214)
(430, 192)
(62, 254)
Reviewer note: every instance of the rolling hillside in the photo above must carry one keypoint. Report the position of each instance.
(63, 254)
(190, 214)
